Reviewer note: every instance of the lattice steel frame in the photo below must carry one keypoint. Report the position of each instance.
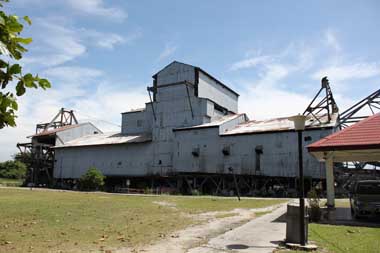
(325, 106)
(351, 116)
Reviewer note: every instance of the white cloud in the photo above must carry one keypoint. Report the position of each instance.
(108, 40)
(271, 91)
(98, 103)
(73, 74)
(270, 102)
(168, 51)
(345, 72)
(59, 43)
(251, 62)
(266, 97)
(98, 8)
(332, 40)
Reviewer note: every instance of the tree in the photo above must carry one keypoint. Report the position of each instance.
(11, 51)
(13, 169)
(93, 179)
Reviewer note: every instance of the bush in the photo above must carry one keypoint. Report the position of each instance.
(92, 180)
(315, 210)
(13, 169)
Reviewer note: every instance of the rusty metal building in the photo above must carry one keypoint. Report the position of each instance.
(190, 136)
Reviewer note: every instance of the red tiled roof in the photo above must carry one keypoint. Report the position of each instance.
(362, 135)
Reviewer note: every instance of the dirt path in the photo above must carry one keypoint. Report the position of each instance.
(194, 236)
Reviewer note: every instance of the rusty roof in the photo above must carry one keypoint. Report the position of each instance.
(279, 124)
(363, 135)
(215, 123)
(53, 131)
(106, 139)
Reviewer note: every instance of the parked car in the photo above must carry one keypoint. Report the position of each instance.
(365, 198)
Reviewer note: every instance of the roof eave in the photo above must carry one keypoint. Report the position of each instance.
(343, 147)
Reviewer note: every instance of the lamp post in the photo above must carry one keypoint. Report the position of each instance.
(299, 126)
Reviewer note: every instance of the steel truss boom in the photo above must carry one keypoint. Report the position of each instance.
(351, 115)
(325, 106)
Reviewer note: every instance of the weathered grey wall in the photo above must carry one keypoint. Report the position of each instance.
(232, 123)
(137, 122)
(76, 132)
(172, 151)
(279, 158)
(208, 88)
(112, 160)
(176, 72)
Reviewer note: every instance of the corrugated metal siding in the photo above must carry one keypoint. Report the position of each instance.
(73, 133)
(172, 151)
(176, 72)
(208, 88)
(133, 160)
(279, 158)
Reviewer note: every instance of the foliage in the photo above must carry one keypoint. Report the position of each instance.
(13, 169)
(93, 179)
(314, 203)
(12, 48)
(25, 158)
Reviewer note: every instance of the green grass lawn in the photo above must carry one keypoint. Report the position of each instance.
(50, 221)
(10, 182)
(331, 238)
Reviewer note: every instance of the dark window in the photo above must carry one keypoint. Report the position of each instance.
(195, 152)
(259, 152)
(226, 150)
(368, 188)
(307, 138)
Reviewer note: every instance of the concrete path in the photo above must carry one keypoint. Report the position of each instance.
(261, 235)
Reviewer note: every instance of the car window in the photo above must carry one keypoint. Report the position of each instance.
(368, 188)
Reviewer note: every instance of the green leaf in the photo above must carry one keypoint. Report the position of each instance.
(14, 105)
(3, 64)
(20, 88)
(29, 81)
(2, 21)
(24, 40)
(3, 49)
(27, 19)
(15, 69)
(44, 83)
(14, 25)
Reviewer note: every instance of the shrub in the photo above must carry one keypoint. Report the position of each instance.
(315, 210)
(92, 180)
(13, 169)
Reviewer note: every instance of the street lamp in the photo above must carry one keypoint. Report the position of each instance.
(299, 126)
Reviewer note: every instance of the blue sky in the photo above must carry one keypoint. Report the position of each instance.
(100, 55)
